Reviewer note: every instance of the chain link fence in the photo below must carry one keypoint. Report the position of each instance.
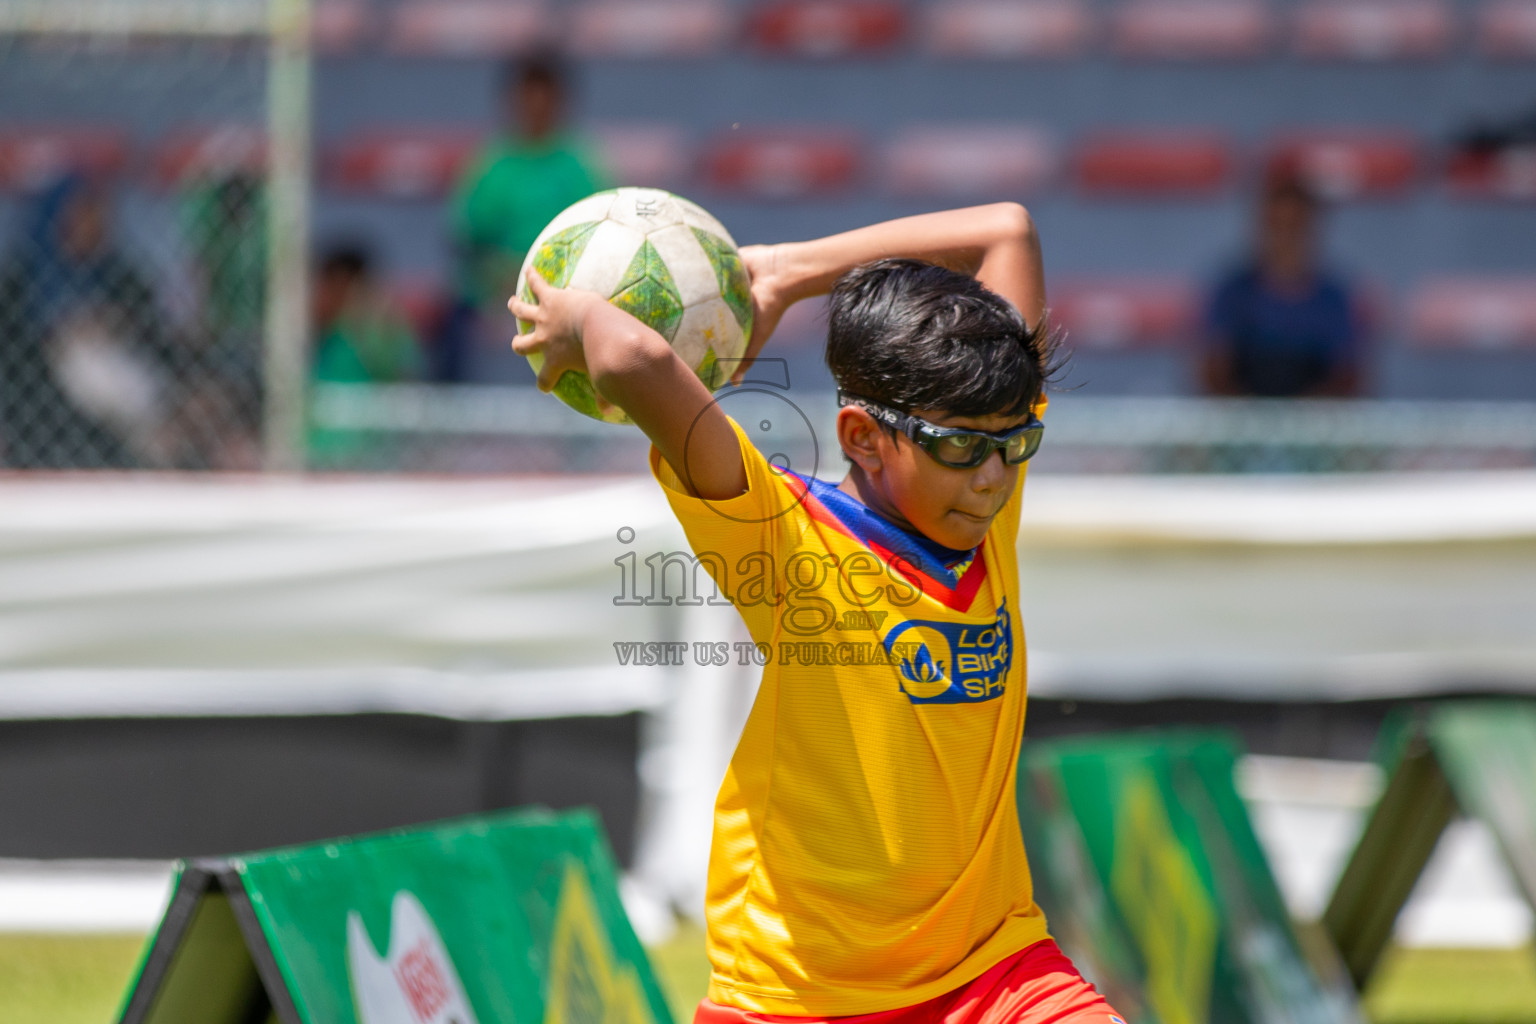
(146, 205)
(134, 243)
(427, 428)
(1278, 435)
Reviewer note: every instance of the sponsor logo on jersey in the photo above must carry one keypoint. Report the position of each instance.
(953, 662)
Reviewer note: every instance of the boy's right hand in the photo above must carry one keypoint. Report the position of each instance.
(558, 319)
(634, 368)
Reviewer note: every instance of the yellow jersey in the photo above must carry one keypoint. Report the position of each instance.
(866, 850)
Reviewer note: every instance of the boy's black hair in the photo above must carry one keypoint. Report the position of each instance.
(914, 335)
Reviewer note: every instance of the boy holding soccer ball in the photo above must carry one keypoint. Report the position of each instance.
(867, 862)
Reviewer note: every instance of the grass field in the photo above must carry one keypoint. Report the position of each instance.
(48, 979)
(64, 979)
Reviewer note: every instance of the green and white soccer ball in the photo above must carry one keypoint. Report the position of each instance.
(659, 257)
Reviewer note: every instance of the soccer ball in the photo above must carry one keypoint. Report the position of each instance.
(659, 257)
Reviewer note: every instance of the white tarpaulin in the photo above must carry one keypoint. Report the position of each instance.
(445, 598)
(487, 598)
(497, 598)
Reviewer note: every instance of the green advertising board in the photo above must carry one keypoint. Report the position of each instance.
(1153, 881)
(1476, 758)
(512, 917)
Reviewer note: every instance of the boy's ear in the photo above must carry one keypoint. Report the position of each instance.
(860, 436)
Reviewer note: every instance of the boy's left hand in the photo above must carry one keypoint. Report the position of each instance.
(769, 301)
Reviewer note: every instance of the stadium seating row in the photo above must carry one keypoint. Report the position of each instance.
(955, 161)
(1492, 313)
(1354, 30)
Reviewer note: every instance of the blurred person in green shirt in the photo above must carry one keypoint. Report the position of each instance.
(225, 223)
(360, 338)
(218, 418)
(515, 186)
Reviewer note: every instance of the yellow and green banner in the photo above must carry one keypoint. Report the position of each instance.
(1153, 881)
(512, 917)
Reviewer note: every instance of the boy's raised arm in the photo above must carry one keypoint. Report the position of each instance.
(633, 367)
(996, 244)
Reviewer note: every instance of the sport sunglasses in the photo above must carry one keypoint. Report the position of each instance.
(956, 446)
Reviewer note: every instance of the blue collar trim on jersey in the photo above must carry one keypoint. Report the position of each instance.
(927, 556)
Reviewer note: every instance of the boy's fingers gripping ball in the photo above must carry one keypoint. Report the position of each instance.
(659, 257)
(536, 283)
(525, 314)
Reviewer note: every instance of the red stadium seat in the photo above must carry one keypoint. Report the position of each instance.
(1000, 161)
(337, 26)
(1508, 173)
(1373, 29)
(1192, 29)
(399, 164)
(1117, 314)
(1153, 164)
(1491, 313)
(1349, 165)
(1507, 28)
(32, 157)
(651, 28)
(658, 155)
(782, 164)
(188, 155)
(1009, 28)
(827, 28)
(467, 28)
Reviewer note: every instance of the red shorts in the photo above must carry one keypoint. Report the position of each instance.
(1037, 985)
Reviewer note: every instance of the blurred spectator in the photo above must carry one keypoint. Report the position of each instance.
(1493, 136)
(360, 338)
(515, 186)
(226, 231)
(84, 374)
(220, 400)
(1280, 324)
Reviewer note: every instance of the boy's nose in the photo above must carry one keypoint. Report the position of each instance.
(992, 473)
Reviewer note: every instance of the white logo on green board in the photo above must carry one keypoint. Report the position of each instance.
(415, 983)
